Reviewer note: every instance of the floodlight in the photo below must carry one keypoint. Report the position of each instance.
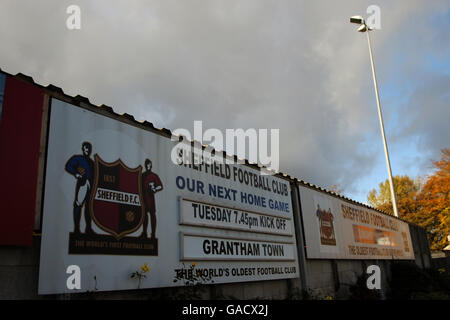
(357, 20)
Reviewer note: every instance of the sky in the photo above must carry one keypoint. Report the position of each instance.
(297, 66)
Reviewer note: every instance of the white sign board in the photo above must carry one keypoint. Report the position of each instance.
(211, 248)
(114, 201)
(337, 229)
(215, 216)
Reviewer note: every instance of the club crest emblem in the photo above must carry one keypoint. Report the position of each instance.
(327, 235)
(119, 200)
(116, 204)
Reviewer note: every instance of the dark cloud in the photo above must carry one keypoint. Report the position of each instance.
(297, 66)
(431, 120)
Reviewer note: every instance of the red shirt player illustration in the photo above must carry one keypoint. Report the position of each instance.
(151, 184)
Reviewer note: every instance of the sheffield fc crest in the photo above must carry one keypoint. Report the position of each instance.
(119, 200)
(327, 235)
(116, 204)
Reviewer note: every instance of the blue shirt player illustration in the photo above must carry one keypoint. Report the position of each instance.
(82, 168)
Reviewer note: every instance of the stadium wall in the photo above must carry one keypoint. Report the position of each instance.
(22, 233)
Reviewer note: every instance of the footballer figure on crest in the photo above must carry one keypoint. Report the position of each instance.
(151, 184)
(81, 166)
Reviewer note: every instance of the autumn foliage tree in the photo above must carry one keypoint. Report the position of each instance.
(406, 190)
(426, 203)
(435, 202)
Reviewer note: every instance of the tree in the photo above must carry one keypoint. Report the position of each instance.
(406, 190)
(425, 204)
(434, 201)
(336, 188)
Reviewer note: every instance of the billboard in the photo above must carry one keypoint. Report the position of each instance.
(115, 200)
(338, 229)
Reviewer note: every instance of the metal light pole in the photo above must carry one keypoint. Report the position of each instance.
(364, 28)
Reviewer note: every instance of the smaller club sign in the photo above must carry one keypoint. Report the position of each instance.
(342, 230)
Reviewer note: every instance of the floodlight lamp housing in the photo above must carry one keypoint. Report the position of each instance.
(357, 20)
(363, 28)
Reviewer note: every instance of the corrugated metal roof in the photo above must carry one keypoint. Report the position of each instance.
(81, 101)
